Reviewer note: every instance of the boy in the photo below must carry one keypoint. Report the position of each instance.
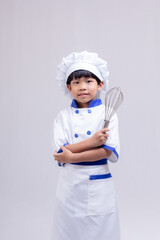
(85, 191)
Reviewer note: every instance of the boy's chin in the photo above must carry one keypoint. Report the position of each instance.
(86, 98)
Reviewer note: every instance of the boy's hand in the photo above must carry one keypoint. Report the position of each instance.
(65, 157)
(99, 138)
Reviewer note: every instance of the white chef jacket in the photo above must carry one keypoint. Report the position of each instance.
(86, 206)
(73, 125)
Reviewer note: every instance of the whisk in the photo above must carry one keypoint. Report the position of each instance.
(113, 100)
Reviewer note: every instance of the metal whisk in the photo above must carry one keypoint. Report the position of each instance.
(113, 100)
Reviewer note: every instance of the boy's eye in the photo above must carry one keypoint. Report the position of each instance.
(76, 82)
(88, 81)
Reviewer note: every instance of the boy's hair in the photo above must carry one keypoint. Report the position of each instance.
(81, 73)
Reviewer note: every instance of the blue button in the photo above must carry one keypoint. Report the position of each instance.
(77, 111)
(89, 111)
(76, 135)
(89, 132)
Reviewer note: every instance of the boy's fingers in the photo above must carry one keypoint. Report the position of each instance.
(106, 135)
(55, 153)
(105, 130)
(62, 148)
(60, 153)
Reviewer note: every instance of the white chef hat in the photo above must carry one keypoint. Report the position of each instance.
(82, 61)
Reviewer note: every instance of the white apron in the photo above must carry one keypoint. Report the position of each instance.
(86, 206)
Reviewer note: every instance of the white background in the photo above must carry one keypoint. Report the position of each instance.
(34, 36)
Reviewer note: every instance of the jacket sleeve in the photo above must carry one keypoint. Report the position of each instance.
(112, 142)
(59, 132)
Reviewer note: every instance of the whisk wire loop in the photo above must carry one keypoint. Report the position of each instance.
(113, 100)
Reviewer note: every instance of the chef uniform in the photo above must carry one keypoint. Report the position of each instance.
(86, 205)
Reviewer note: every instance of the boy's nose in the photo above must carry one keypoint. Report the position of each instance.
(83, 85)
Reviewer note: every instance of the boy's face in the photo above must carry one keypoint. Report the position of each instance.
(84, 90)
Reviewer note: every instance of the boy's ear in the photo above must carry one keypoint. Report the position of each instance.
(69, 87)
(100, 85)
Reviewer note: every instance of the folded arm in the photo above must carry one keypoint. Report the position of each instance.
(86, 156)
(84, 151)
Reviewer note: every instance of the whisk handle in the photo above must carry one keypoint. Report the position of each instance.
(106, 123)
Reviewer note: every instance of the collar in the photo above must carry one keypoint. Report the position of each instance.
(93, 103)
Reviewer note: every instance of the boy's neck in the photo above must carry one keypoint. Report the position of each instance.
(83, 105)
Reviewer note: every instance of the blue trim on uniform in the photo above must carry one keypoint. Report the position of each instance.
(111, 148)
(65, 144)
(93, 103)
(100, 176)
(99, 162)
(59, 151)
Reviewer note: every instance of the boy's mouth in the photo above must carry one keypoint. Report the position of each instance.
(83, 94)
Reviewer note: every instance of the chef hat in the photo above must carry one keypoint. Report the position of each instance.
(82, 61)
